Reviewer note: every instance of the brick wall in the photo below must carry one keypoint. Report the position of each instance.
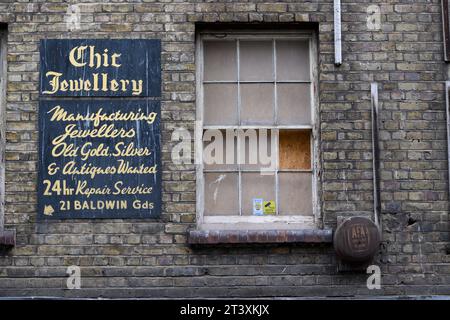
(137, 258)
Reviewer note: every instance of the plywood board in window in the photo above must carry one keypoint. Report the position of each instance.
(295, 149)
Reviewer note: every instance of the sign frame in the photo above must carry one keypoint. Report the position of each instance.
(127, 64)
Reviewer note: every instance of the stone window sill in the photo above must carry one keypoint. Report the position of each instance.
(205, 237)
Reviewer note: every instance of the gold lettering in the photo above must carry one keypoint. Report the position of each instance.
(94, 56)
(78, 60)
(99, 151)
(82, 56)
(138, 204)
(100, 204)
(142, 189)
(95, 76)
(130, 150)
(104, 131)
(87, 85)
(137, 87)
(83, 189)
(63, 86)
(113, 60)
(104, 82)
(114, 85)
(65, 150)
(60, 114)
(98, 82)
(125, 84)
(54, 82)
(90, 170)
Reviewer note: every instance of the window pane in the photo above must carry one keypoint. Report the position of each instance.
(292, 60)
(220, 104)
(295, 193)
(220, 60)
(257, 103)
(295, 149)
(221, 194)
(220, 149)
(256, 149)
(294, 105)
(256, 186)
(256, 60)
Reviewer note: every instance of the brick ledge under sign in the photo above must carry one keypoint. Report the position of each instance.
(200, 237)
(8, 238)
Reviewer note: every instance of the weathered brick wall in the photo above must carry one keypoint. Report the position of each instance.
(129, 258)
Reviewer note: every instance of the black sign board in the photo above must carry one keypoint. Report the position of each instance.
(99, 159)
(100, 67)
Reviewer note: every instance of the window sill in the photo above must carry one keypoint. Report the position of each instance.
(205, 237)
(7, 238)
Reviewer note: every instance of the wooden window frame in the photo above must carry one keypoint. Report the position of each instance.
(240, 222)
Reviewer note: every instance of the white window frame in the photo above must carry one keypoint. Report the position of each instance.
(240, 222)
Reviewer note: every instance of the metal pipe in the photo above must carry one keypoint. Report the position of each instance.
(375, 154)
(447, 111)
(337, 33)
(3, 42)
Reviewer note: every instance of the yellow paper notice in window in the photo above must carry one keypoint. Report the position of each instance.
(269, 207)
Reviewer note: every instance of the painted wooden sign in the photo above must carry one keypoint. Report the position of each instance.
(100, 67)
(99, 159)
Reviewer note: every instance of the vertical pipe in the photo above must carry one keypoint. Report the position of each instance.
(445, 28)
(3, 35)
(239, 131)
(337, 33)
(447, 111)
(375, 154)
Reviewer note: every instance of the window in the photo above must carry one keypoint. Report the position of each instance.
(255, 130)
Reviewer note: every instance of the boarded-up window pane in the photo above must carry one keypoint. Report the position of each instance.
(220, 60)
(220, 104)
(221, 194)
(295, 149)
(295, 193)
(292, 60)
(294, 105)
(256, 60)
(257, 103)
(255, 185)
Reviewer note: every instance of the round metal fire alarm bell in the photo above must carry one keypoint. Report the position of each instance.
(356, 239)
